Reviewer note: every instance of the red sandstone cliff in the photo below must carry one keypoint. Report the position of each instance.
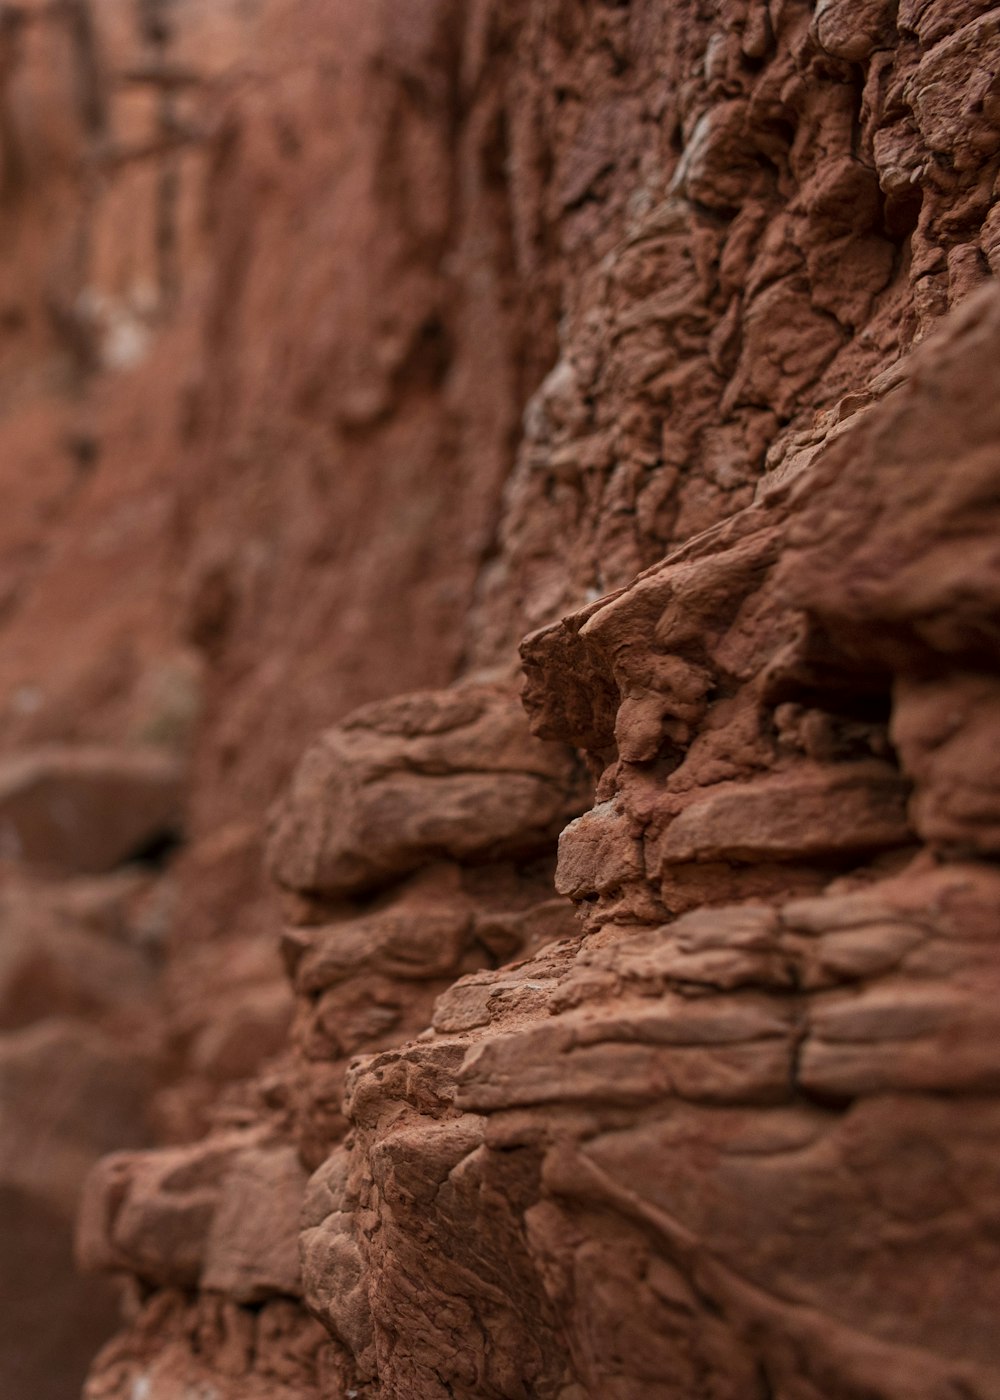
(341, 349)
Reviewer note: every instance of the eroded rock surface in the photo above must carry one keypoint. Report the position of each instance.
(726, 1151)
(453, 775)
(638, 1045)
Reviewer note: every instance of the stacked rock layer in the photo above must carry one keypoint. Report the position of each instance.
(581, 512)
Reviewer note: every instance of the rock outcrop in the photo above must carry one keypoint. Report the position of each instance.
(724, 1152)
(619, 1028)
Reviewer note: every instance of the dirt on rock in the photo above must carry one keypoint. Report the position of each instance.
(499, 684)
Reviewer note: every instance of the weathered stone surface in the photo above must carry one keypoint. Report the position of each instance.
(639, 1124)
(223, 1216)
(443, 775)
(252, 1253)
(150, 1213)
(745, 1137)
(854, 809)
(395, 333)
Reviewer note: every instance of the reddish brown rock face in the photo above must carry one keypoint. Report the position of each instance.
(623, 1029)
(744, 1137)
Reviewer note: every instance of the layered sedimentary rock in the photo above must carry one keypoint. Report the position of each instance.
(727, 1151)
(720, 1134)
(641, 1037)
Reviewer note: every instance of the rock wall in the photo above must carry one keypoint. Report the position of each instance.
(639, 1035)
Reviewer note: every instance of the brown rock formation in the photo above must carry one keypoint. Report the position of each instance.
(728, 1152)
(373, 340)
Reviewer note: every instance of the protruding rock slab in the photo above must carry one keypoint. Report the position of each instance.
(221, 1215)
(449, 775)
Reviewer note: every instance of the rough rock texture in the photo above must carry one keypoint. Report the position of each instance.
(740, 1151)
(385, 337)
